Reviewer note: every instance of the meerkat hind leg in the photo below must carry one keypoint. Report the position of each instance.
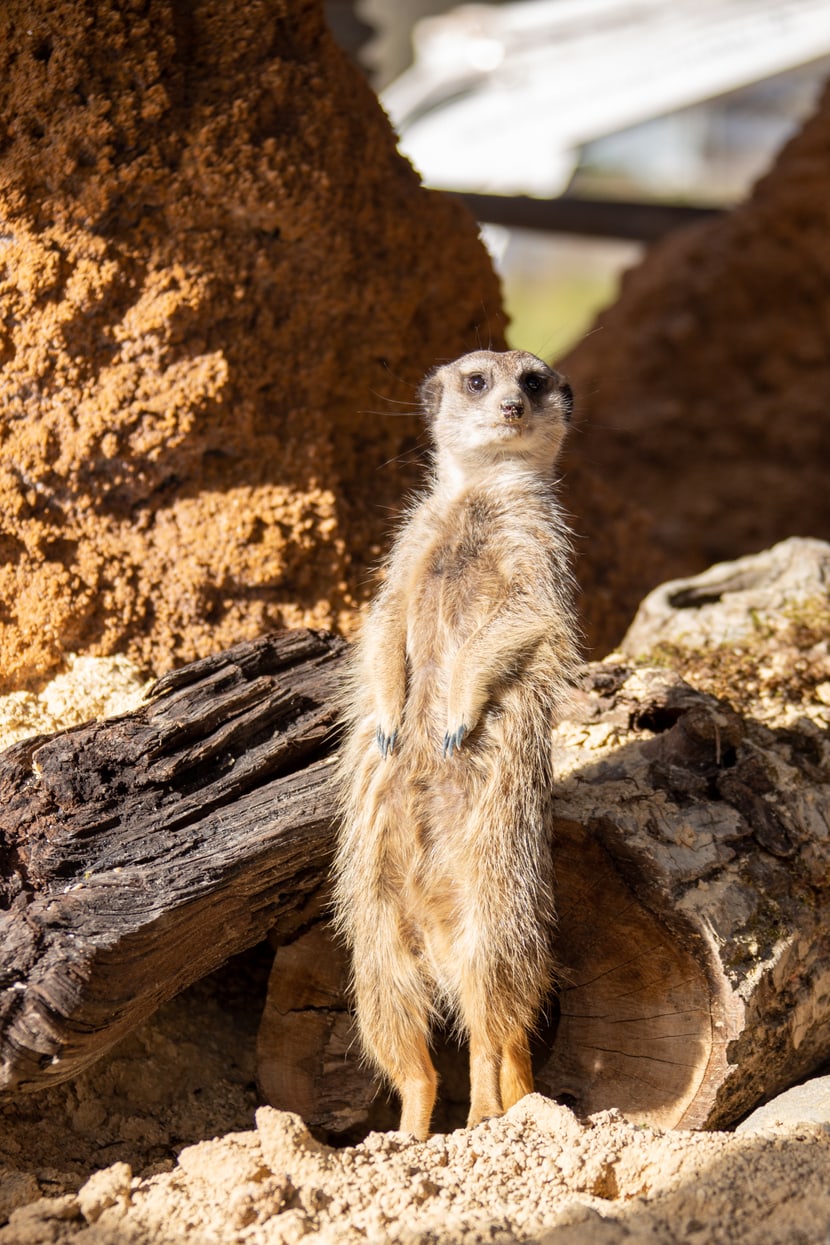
(485, 1098)
(393, 1013)
(500, 1071)
(417, 1089)
(515, 1074)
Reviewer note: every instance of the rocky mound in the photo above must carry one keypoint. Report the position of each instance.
(219, 287)
(704, 397)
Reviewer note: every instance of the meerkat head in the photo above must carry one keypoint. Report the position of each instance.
(491, 406)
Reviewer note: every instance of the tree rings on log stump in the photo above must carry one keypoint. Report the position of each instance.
(637, 1025)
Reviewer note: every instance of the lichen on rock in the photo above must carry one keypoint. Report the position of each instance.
(755, 632)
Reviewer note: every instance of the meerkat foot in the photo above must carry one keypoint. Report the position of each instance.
(476, 1118)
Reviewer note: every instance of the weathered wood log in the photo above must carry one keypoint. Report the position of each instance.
(692, 842)
(141, 852)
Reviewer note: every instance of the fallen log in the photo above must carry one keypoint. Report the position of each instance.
(141, 852)
(692, 845)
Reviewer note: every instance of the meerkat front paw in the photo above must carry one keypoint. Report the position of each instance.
(386, 740)
(388, 714)
(453, 738)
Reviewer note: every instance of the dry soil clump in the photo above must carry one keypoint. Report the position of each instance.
(535, 1175)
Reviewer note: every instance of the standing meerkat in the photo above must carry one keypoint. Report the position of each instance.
(443, 869)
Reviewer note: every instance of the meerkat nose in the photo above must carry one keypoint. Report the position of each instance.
(512, 408)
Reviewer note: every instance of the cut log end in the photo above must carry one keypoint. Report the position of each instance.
(638, 1015)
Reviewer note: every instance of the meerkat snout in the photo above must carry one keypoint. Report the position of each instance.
(512, 408)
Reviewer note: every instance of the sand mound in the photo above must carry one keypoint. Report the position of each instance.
(536, 1174)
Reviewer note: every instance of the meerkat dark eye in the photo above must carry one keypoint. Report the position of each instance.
(476, 383)
(534, 382)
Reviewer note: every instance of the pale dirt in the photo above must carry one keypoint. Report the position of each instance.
(537, 1174)
(88, 688)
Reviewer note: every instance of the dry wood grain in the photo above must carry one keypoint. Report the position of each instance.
(141, 852)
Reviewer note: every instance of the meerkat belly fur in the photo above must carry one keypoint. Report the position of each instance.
(443, 871)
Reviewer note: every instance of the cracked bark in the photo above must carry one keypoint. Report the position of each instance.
(141, 852)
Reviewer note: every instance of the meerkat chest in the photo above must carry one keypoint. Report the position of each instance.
(460, 576)
(455, 559)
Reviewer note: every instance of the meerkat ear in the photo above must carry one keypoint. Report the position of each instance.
(429, 393)
(566, 401)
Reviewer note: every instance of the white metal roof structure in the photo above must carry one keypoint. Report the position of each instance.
(500, 98)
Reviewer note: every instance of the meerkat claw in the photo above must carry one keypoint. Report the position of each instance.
(452, 740)
(386, 743)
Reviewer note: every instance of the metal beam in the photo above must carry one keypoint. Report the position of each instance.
(599, 218)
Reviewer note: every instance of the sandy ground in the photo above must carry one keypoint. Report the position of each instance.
(163, 1141)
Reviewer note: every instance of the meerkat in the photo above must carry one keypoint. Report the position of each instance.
(443, 871)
